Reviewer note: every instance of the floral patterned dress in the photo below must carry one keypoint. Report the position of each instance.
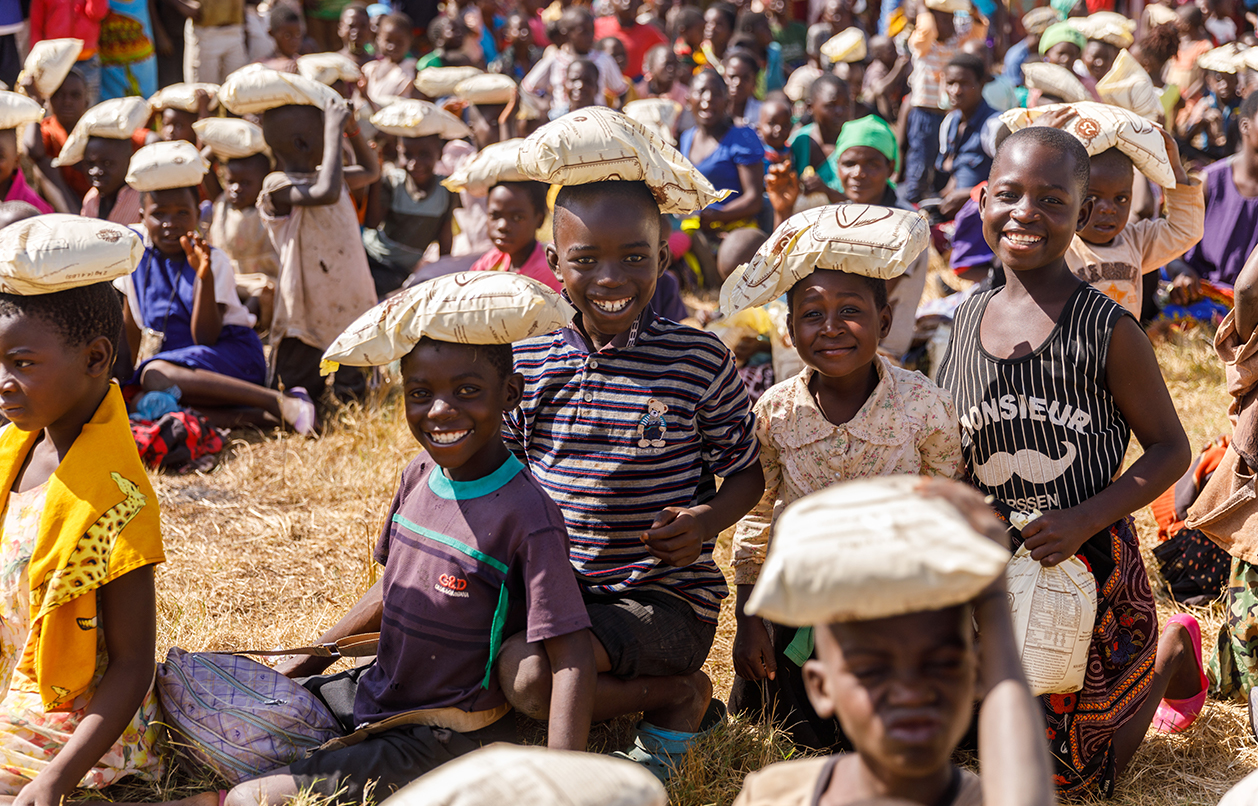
(29, 737)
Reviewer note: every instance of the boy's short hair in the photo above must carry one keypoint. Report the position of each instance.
(738, 248)
(630, 193)
(877, 286)
(441, 29)
(1059, 140)
(499, 356)
(740, 55)
(749, 21)
(1112, 156)
(682, 17)
(397, 19)
(828, 80)
(536, 191)
(574, 14)
(282, 15)
(80, 314)
(728, 12)
(1249, 106)
(968, 61)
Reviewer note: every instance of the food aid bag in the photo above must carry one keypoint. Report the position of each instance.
(1054, 611)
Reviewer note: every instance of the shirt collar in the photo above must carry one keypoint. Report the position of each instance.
(806, 423)
(447, 488)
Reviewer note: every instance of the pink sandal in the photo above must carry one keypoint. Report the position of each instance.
(1174, 716)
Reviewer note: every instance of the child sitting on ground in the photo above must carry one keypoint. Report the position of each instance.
(236, 225)
(1114, 256)
(645, 517)
(185, 324)
(1049, 392)
(392, 74)
(904, 648)
(850, 414)
(324, 281)
(42, 143)
(410, 209)
(81, 525)
(471, 547)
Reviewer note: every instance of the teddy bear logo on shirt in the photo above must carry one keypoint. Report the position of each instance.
(652, 427)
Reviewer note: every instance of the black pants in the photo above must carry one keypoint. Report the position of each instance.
(297, 364)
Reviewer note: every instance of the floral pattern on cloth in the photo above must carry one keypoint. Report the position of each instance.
(908, 425)
(29, 737)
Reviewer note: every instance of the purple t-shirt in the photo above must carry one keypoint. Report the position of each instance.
(447, 549)
(1231, 227)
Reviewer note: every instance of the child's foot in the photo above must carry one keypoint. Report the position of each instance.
(661, 749)
(1180, 649)
(298, 411)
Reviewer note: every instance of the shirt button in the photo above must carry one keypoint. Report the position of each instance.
(589, 397)
(593, 364)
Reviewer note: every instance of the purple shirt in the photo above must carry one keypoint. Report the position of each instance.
(1231, 227)
(448, 548)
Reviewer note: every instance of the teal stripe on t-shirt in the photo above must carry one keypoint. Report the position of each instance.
(444, 487)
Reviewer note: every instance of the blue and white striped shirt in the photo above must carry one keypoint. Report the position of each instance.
(617, 435)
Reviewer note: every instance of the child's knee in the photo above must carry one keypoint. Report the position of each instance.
(525, 675)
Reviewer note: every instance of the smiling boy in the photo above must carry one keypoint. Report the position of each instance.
(625, 421)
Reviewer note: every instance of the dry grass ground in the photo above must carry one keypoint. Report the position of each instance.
(269, 548)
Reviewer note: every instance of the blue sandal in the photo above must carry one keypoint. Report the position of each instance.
(661, 750)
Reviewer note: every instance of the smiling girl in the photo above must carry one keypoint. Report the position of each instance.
(850, 414)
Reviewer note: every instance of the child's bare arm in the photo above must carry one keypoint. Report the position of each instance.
(1246, 290)
(445, 239)
(367, 171)
(326, 189)
(753, 651)
(129, 617)
(363, 617)
(207, 311)
(572, 690)
(678, 533)
(1135, 381)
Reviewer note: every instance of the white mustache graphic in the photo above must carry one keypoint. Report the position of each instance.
(1028, 463)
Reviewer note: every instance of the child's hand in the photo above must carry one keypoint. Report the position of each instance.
(1172, 153)
(1054, 537)
(1186, 288)
(782, 185)
(676, 537)
(39, 793)
(198, 253)
(1057, 118)
(336, 115)
(455, 106)
(28, 88)
(753, 650)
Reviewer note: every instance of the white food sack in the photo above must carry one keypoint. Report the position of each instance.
(863, 239)
(49, 62)
(1055, 80)
(412, 118)
(471, 307)
(602, 145)
(166, 165)
(18, 110)
(438, 82)
(1054, 611)
(231, 138)
(116, 119)
(328, 68)
(845, 47)
(494, 164)
(1101, 127)
(56, 252)
(1129, 86)
(253, 89)
(486, 88)
(657, 114)
(184, 97)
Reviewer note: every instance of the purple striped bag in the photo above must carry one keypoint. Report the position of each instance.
(238, 717)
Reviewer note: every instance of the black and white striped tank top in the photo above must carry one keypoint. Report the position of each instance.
(1041, 431)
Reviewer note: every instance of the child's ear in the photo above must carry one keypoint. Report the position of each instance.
(665, 258)
(514, 391)
(982, 200)
(100, 357)
(1085, 213)
(552, 257)
(815, 683)
(885, 319)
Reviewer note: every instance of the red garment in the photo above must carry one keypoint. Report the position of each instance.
(638, 40)
(538, 29)
(74, 19)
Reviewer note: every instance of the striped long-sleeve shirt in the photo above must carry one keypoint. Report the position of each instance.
(617, 435)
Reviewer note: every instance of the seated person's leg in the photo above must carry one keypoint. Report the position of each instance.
(204, 388)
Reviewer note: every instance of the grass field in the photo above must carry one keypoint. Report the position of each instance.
(272, 546)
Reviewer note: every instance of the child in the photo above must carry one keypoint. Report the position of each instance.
(850, 414)
(580, 84)
(967, 136)
(111, 138)
(79, 707)
(355, 33)
(184, 293)
(447, 35)
(686, 25)
(812, 145)
(13, 187)
(903, 680)
(616, 49)
(1212, 130)
(547, 76)
(933, 43)
(741, 70)
(660, 76)
(324, 282)
(516, 211)
(638, 38)
(410, 208)
(1062, 45)
(1062, 374)
(285, 28)
(392, 74)
(42, 142)
(519, 54)
(470, 544)
(719, 21)
(1113, 256)
(642, 549)
(774, 128)
(176, 116)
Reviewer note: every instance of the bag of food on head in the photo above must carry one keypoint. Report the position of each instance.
(48, 64)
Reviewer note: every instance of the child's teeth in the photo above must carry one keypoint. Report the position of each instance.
(612, 307)
(448, 437)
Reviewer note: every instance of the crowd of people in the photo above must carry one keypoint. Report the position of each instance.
(937, 232)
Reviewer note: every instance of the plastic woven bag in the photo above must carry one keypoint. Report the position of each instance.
(238, 717)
